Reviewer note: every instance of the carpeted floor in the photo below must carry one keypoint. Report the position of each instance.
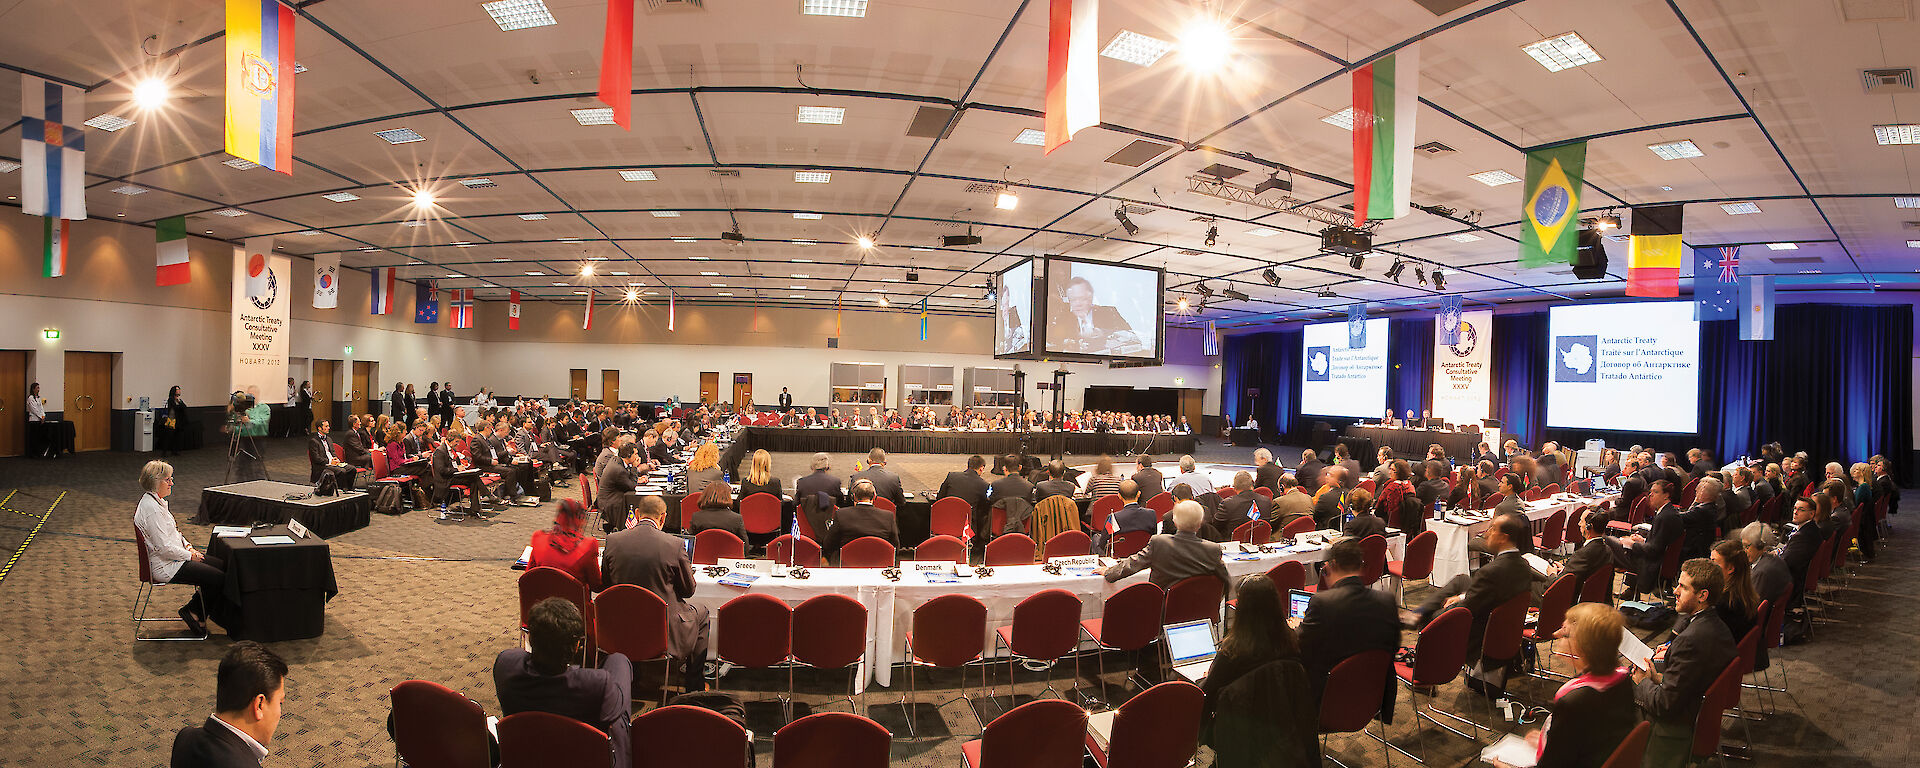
(430, 600)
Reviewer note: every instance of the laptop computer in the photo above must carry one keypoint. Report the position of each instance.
(1190, 646)
(1297, 600)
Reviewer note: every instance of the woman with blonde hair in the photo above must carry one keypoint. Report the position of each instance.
(759, 479)
(704, 468)
(1863, 504)
(171, 559)
(1594, 712)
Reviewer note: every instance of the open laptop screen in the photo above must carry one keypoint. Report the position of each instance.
(1297, 600)
(1189, 642)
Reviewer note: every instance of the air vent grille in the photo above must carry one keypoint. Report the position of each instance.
(1887, 80)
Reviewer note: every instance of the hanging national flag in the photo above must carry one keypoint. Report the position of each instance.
(1756, 308)
(462, 306)
(1654, 251)
(586, 322)
(616, 62)
(170, 252)
(1713, 297)
(260, 82)
(923, 318)
(1447, 323)
(670, 310)
(383, 281)
(1386, 95)
(53, 149)
(1073, 69)
(326, 281)
(513, 310)
(426, 303)
(1548, 233)
(1357, 325)
(1210, 346)
(53, 250)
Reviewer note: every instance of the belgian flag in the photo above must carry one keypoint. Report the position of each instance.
(1653, 263)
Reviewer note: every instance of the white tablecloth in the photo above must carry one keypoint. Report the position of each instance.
(1451, 556)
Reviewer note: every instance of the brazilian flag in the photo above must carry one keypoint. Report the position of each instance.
(1549, 228)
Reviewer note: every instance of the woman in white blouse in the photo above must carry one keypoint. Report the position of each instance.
(170, 558)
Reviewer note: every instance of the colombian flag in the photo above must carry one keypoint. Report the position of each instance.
(260, 83)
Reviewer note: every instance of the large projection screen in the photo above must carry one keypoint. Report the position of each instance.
(1102, 311)
(1632, 366)
(1337, 381)
(1013, 310)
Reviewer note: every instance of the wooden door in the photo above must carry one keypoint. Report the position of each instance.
(89, 399)
(1191, 401)
(13, 402)
(742, 390)
(610, 387)
(709, 387)
(323, 374)
(362, 385)
(577, 382)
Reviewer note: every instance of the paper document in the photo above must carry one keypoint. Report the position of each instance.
(1636, 651)
(231, 531)
(1512, 750)
(265, 540)
(1538, 563)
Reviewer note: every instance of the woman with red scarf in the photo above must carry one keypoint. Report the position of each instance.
(1396, 489)
(565, 546)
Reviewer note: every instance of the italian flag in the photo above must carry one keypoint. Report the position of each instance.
(170, 252)
(53, 248)
(1073, 69)
(1385, 96)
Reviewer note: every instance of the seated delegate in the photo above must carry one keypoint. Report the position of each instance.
(170, 558)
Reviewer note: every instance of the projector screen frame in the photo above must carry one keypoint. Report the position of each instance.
(1698, 363)
(1386, 362)
(1033, 326)
(1043, 292)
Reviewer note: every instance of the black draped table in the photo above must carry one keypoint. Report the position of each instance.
(1412, 443)
(281, 589)
(265, 501)
(46, 439)
(808, 440)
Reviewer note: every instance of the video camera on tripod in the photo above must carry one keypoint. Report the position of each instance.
(238, 404)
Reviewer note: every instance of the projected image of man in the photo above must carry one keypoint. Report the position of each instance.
(1090, 328)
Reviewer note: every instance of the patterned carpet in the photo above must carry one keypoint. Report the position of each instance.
(423, 599)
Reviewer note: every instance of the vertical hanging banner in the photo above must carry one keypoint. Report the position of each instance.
(1357, 325)
(1548, 233)
(260, 83)
(383, 286)
(1210, 346)
(670, 296)
(1073, 69)
(462, 308)
(1386, 94)
(1462, 370)
(513, 310)
(326, 281)
(616, 62)
(426, 303)
(1654, 250)
(1756, 308)
(53, 247)
(260, 301)
(586, 322)
(1715, 283)
(923, 318)
(170, 266)
(53, 149)
(1446, 324)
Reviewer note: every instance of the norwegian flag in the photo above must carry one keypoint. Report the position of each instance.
(462, 305)
(1729, 261)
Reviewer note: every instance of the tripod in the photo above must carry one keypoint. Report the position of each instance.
(242, 448)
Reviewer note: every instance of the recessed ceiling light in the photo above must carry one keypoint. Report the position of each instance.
(1263, 232)
(649, 293)
(801, 277)
(620, 273)
(641, 175)
(239, 164)
(341, 197)
(709, 274)
(108, 122)
(665, 214)
(558, 282)
(807, 216)
(462, 244)
(579, 293)
(822, 115)
(1676, 150)
(1906, 202)
(804, 242)
(536, 274)
(413, 223)
(717, 285)
(1735, 209)
(699, 258)
(400, 135)
(477, 183)
(796, 296)
(1890, 135)
(229, 212)
(533, 217)
(569, 239)
(129, 189)
(919, 248)
(1463, 237)
(801, 261)
(797, 287)
(1494, 178)
(1340, 119)
(686, 239)
(812, 177)
(519, 14)
(450, 274)
(848, 8)
(309, 233)
(8, 166)
(1031, 136)
(724, 293)
(1666, 189)
(1562, 52)
(593, 115)
(1783, 246)
(502, 259)
(1135, 48)
(890, 279)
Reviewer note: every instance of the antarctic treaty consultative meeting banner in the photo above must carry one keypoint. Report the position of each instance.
(261, 284)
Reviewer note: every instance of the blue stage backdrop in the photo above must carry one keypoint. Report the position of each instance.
(1410, 364)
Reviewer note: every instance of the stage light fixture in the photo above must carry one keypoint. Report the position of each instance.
(1272, 278)
(1205, 44)
(1420, 275)
(1273, 182)
(1439, 280)
(1204, 290)
(1006, 200)
(1393, 272)
(956, 241)
(586, 270)
(1235, 295)
(1120, 215)
(1213, 235)
(423, 198)
(1357, 261)
(733, 236)
(1182, 306)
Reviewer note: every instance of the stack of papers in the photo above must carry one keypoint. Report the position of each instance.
(1512, 750)
(266, 540)
(231, 531)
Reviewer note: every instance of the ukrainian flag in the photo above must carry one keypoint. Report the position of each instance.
(260, 83)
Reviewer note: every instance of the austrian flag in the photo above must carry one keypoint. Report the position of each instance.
(1073, 69)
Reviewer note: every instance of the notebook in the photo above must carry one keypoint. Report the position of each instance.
(1190, 645)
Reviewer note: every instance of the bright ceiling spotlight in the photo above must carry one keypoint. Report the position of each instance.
(865, 242)
(1006, 200)
(1439, 280)
(1213, 235)
(423, 198)
(586, 270)
(632, 295)
(1205, 44)
(1420, 275)
(150, 93)
(1182, 306)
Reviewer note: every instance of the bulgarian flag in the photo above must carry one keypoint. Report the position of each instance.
(1385, 96)
(170, 252)
(1073, 69)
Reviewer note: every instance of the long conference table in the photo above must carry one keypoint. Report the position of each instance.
(1407, 442)
(812, 439)
(1454, 535)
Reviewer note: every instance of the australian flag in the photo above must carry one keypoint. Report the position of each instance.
(1716, 291)
(1357, 326)
(426, 303)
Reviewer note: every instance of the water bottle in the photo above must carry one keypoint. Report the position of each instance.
(1439, 508)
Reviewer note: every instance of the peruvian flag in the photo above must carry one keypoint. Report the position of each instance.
(1073, 69)
(586, 323)
(1386, 93)
(513, 310)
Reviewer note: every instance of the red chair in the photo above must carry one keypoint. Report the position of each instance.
(760, 513)
(436, 727)
(1418, 563)
(1352, 696)
(1103, 508)
(1722, 695)
(1598, 588)
(832, 740)
(885, 503)
(713, 544)
(941, 548)
(1194, 598)
(1632, 751)
(1069, 544)
(1129, 621)
(1253, 532)
(688, 505)
(1367, 485)
(1010, 549)
(1158, 728)
(1572, 535)
(1551, 532)
(1125, 544)
(789, 550)
(681, 736)
(950, 516)
(1502, 637)
(1046, 627)
(1300, 525)
(536, 738)
(542, 582)
(1264, 491)
(633, 621)
(830, 632)
(1560, 596)
(1161, 504)
(1492, 500)
(996, 521)
(867, 552)
(952, 632)
(1687, 491)
(1290, 574)
(144, 595)
(1551, 489)
(752, 631)
(1373, 551)
(1038, 734)
(1439, 653)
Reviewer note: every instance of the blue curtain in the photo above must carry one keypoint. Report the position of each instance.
(1410, 355)
(1520, 349)
(1269, 362)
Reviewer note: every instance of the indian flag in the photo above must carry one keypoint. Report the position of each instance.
(53, 246)
(170, 252)
(1385, 96)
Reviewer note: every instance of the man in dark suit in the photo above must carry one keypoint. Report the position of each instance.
(1512, 485)
(1506, 575)
(1345, 618)
(886, 485)
(1149, 479)
(549, 679)
(1363, 523)
(617, 479)
(1012, 485)
(1244, 505)
(1130, 517)
(1488, 485)
(1266, 472)
(1056, 483)
(1433, 488)
(1289, 504)
(1308, 473)
(820, 484)
(446, 402)
(1343, 459)
(1668, 529)
(861, 519)
(786, 399)
(1700, 520)
(249, 691)
(1599, 550)
(1699, 652)
(1330, 502)
(416, 442)
(646, 556)
(356, 446)
(323, 458)
(1633, 485)
(1172, 557)
(1804, 544)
